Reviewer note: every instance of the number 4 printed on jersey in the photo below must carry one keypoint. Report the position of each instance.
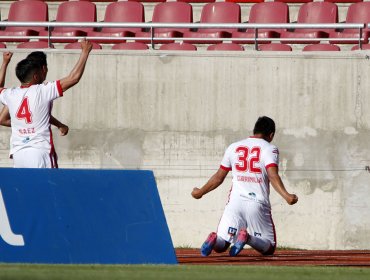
(24, 112)
(247, 158)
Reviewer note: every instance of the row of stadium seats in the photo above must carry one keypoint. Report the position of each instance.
(181, 12)
(190, 47)
(212, 1)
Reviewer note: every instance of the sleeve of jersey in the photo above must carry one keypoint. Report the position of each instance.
(272, 157)
(225, 163)
(53, 90)
(59, 88)
(2, 96)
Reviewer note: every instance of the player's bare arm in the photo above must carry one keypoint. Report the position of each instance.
(215, 181)
(7, 56)
(4, 114)
(279, 187)
(5, 117)
(77, 71)
(61, 126)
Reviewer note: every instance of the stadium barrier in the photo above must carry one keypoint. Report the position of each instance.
(82, 216)
(151, 26)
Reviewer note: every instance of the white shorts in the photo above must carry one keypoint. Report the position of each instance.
(34, 158)
(242, 213)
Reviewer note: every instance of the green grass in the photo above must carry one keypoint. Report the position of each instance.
(193, 272)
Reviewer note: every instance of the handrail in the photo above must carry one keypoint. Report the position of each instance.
(184, 25)
(252, 39)
(152, 25)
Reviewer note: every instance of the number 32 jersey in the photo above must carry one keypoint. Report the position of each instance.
(249, 160)
(30, 110)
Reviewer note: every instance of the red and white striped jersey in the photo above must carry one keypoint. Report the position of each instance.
(30, 110)
(249, 160)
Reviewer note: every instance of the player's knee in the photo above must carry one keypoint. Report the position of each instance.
(221, 249)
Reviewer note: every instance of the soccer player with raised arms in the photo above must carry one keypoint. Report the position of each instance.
(4, 114)
(30, 110)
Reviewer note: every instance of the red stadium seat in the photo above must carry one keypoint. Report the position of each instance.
(219, 12)
(275, 47)
(87, 0)
(178, 47)
(269, 12)
(130, 46)
(315, 12)
(169, 12)
(321, 47)
(225, 47)
(344, 1)
(245, 1)
(73, 11)
(77, 45)
(122, 11)
(30, 10)
(2, 46)
(357, 13)
(363, 47)
(35, 45)
(148, 0)
(294, 1)
(197, 1)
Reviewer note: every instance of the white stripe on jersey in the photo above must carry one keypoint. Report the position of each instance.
(30, 109)
(249, 160)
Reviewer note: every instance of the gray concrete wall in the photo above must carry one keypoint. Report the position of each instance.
(175, 113)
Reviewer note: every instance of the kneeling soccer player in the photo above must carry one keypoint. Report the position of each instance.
(247, 216)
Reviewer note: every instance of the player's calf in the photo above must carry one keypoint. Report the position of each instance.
(270, 251)
(221, 245)
(262, 245)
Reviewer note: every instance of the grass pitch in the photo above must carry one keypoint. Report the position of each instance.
(173, 272)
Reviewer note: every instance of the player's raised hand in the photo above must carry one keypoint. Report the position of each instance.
(292, 199)
(7, 57)
(196, 193)
(86, 45)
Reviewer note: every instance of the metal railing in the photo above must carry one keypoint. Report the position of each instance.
(152, 26)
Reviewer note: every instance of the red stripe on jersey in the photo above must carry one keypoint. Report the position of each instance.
(53, 159)
(59, 87)
(274, 230)
(52, 153)
(228, 197)
(271, 165)
(225, 168)
(1, 90)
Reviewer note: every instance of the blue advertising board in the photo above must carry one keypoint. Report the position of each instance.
(82, 216)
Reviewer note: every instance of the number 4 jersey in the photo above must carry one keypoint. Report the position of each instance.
(30, 109)
(249, 160)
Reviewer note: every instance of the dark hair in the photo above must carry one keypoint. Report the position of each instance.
(25, 69)
(264, 126)
(39, 57)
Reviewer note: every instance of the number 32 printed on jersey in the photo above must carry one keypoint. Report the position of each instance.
(247, 159)
(24, 112)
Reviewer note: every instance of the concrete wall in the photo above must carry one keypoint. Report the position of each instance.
(175, 113)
